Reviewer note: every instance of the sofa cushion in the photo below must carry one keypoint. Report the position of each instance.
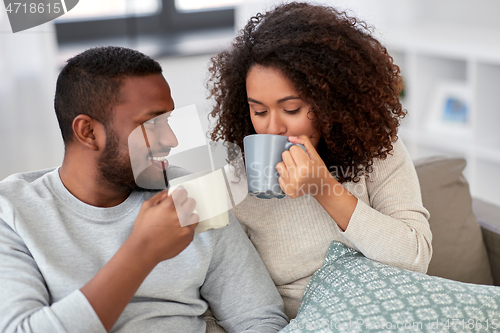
(487, 215)
(458, 248)
(351, 293)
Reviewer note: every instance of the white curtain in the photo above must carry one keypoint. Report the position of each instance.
(29, 134)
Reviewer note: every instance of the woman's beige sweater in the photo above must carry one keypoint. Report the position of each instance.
(389, 225)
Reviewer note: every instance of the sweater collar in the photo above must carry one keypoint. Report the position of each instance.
(86, 210)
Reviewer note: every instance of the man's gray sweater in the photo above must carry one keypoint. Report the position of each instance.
(51, 244)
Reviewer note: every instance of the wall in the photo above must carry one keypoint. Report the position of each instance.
(29, 135)
(30, 138)
(187, 78)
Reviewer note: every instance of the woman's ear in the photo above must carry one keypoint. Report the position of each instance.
(89, 132)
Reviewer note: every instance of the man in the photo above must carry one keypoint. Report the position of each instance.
(82, 249)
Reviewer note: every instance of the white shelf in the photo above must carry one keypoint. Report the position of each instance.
(453, 42)
(488, 155)
(430, 55)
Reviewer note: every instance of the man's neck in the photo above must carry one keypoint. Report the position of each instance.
(83, 182)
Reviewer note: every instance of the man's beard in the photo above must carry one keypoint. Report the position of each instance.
(114, 165)
(116, 170)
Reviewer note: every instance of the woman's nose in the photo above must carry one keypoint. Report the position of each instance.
(276, 124)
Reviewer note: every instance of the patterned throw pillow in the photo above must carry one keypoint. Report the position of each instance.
(352, 293)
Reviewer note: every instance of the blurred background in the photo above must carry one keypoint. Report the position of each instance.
(448, 51)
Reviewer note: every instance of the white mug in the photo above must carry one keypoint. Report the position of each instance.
(209, 190)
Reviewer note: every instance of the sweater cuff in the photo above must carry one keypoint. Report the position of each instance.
(358, 228)
(76, 314)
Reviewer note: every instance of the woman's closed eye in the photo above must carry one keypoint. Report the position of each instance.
(292, 111)
(259, 113)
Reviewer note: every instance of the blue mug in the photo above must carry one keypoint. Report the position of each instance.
(262, 153)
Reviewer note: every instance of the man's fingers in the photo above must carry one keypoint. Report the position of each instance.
(179, 195)
(156, 199)
(189, 205)
(192, 221)
(187, 219)
(184, 206)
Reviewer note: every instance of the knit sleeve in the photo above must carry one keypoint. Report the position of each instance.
(25, 302)
(238, 287)
(393, 228)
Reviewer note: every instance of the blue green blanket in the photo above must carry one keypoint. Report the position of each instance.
(352, 293)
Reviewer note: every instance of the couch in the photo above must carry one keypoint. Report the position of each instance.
(465, 230)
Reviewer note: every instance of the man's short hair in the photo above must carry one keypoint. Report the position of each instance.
(90, 84)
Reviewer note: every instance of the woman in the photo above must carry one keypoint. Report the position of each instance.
(318, 76)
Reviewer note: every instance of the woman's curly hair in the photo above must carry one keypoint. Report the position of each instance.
(336, 66)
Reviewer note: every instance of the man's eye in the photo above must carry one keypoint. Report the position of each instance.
(150, 121)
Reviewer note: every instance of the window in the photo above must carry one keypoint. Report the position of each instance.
(98, 19)
(95, 9)
(191, 5)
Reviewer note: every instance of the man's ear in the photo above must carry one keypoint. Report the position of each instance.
(89, 132)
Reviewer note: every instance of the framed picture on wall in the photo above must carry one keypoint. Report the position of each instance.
(450, 111)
